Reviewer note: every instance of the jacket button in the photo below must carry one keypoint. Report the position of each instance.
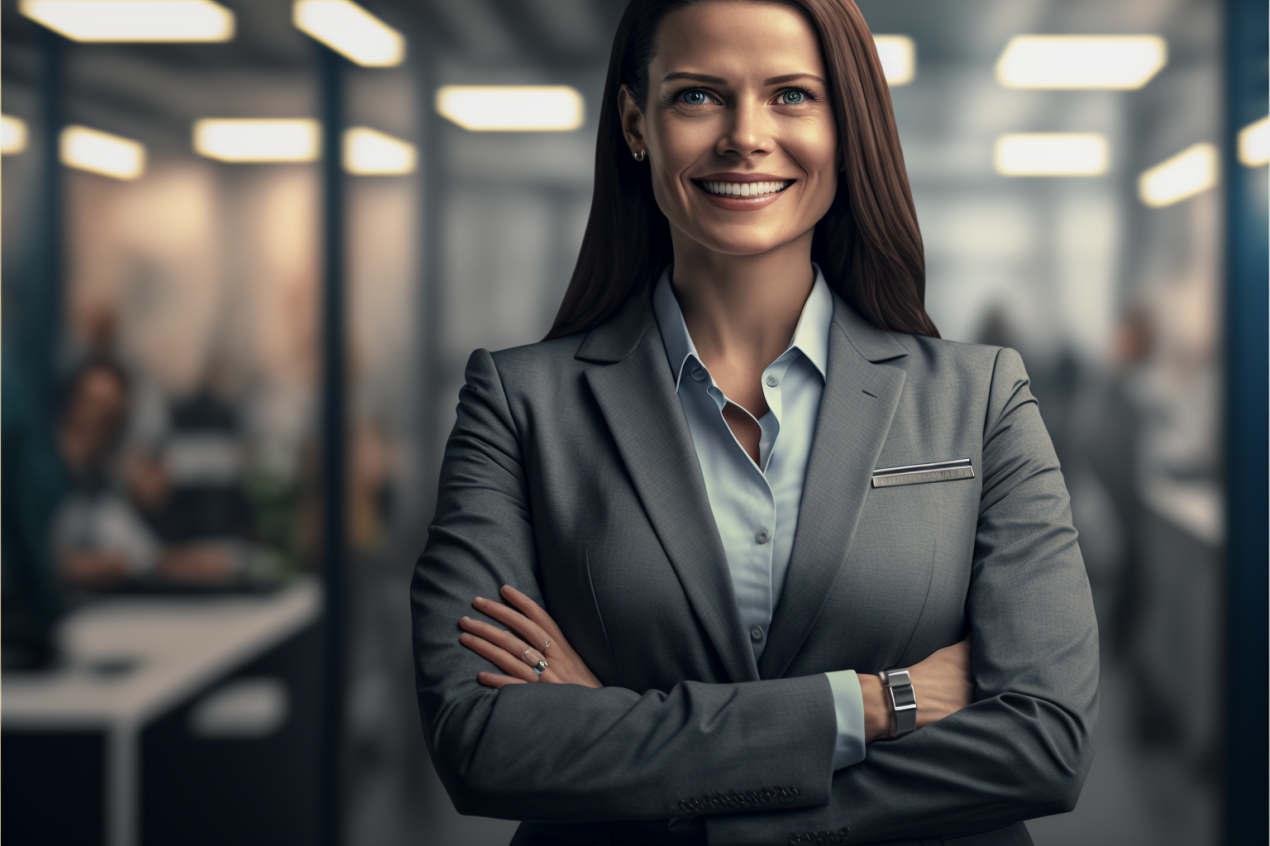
(756, 633)
(762, 536)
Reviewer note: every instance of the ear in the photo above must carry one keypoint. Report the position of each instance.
(632, 120)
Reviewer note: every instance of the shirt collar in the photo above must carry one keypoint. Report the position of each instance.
(811, 335)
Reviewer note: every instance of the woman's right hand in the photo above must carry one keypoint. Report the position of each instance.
(942, 684)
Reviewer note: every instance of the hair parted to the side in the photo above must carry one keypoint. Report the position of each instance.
(868, 244)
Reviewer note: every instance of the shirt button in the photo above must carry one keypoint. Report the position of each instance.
(762, 536)
(756, 633)
(699, 373)
(772, 381)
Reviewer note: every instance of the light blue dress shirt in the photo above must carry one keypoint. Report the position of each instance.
(756, 505)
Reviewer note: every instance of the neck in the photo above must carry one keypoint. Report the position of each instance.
(742, 309)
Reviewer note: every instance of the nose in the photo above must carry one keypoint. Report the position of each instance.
(748, 133)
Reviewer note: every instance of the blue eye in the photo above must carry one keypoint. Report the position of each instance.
(694, 98)
(793, 98)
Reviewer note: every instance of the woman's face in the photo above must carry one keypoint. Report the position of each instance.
(738, 127)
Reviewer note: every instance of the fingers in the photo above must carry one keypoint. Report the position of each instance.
(498, 657)
(502, 648)
(526, 628)
(532, 610)
(497, 681)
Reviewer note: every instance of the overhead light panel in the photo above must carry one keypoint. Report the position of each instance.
(1081, 61)
(1190, 172)
(100, 152)
(512, 108)
(12, 135)
(1254, 143)
(899, 58)
(133, 20)
(1051, 154)
(349, 29)
(250, 140)
(368, 152)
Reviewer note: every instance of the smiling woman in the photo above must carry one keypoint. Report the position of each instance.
(759, 127)
(736, 603)
(867, 239)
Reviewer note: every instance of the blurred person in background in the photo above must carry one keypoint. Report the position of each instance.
(99, 538)
(747, 315)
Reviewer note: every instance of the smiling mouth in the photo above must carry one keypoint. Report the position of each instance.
(743, 189)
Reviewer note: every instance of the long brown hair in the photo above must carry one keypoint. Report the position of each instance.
(868, 243)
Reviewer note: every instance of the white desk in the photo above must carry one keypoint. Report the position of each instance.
(173, 648)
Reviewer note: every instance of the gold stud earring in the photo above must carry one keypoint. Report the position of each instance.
(640, 156)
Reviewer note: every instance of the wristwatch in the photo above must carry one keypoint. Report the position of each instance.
(903, 701)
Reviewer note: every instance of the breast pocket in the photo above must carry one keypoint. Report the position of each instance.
(923, 474)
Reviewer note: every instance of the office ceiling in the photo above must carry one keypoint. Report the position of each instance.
(154, 91)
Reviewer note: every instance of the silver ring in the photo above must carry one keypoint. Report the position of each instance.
(539, 667)
(547, 645)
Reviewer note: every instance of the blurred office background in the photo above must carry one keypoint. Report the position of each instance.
(245, 257)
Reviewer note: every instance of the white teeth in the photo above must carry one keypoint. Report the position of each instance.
(745, 189)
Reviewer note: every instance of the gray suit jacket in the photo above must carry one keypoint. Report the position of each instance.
(570, 474)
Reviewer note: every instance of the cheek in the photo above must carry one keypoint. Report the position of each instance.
(679, 143)
(676, 149)
(815, 144)
(818, 156)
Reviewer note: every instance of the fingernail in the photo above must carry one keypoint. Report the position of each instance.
(479, 599)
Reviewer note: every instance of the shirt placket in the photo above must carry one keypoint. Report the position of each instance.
(753, 536)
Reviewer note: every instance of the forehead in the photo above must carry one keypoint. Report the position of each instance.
(736, 39)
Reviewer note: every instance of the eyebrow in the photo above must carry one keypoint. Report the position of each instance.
(718, 80)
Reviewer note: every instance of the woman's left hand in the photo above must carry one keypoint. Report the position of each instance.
(539, 640)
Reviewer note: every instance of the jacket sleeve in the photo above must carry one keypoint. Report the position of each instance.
(1023, 748)
(567, 753)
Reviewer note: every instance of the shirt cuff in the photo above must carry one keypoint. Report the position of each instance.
(848, 705)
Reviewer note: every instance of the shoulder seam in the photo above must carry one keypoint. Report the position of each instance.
(502, 387)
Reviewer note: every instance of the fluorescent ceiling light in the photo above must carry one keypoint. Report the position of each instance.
(12, 135)
(1080, 61)
(349, 29)
(369, 152)
(292, 140)
(512, 108)
(133, 20)
(103, 153)
(1188, 173)
(1055, 154)
(1254, 143)
(899, 58)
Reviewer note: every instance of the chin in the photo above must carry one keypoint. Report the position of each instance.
(743, 243)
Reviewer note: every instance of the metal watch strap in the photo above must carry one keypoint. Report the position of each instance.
(902, 699)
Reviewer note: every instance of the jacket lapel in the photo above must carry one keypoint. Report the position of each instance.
(636, 394)
(860, 397)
